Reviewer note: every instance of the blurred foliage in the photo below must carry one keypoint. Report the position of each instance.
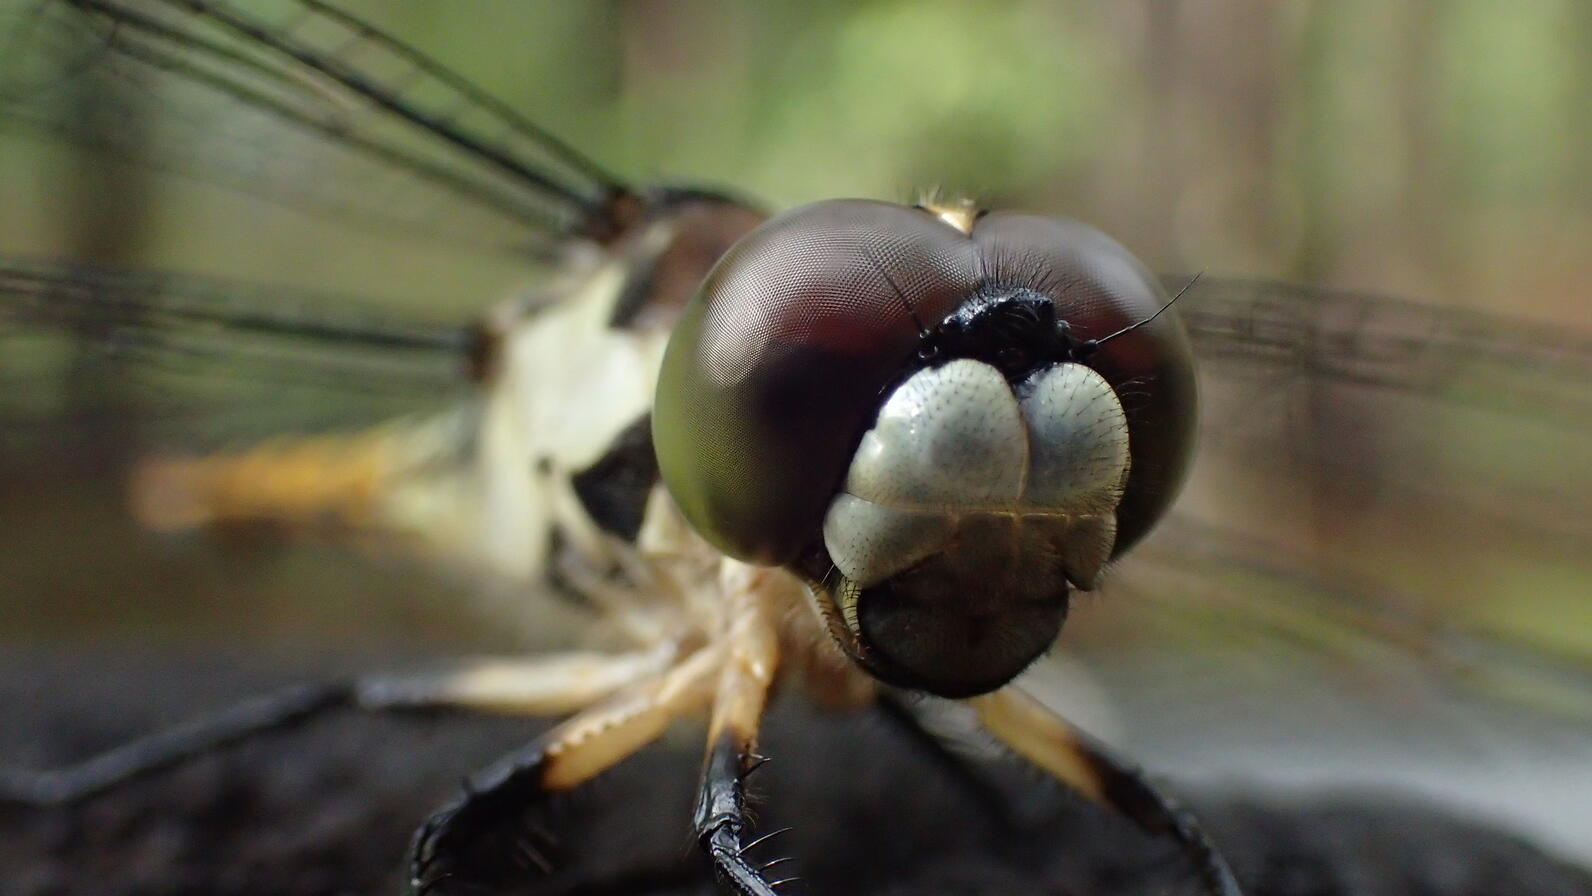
(1436, 150)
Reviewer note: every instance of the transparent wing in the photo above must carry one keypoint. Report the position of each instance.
(168, 358)
(1385, 531)
(291, 102)
(297, 102)
(103, 369)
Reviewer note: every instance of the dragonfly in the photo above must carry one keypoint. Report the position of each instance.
(734, 491)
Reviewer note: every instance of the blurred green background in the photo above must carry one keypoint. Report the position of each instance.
(1435, 150)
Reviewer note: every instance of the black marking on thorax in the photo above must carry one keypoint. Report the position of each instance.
(636, 293)
(615, 488)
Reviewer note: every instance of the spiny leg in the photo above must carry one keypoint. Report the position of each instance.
(743, 688)
(1089, 767)
(551, 685)
(480, 841)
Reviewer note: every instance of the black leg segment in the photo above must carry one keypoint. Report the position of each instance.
(721, 819)
(490, 838)
(164, 749)
(1125, 788)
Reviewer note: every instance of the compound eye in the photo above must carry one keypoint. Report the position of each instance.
(778, 364)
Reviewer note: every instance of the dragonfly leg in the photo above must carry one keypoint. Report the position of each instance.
(920, 721)
(485, 840)
(721, 817)
(548, 685)
(1089, 767)
(164, 749)
(743, 688)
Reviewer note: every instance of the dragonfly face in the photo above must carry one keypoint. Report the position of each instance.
(909, 432)
(945, 370)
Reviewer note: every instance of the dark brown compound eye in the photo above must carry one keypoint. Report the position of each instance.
(804, 328)
(776, 367)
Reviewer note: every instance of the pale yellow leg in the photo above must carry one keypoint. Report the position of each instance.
(600, 737)
(1049, 741)
(536, 686)
(752, 657)
(570, 754)
(1044, 738)
(551, 685)
(743, 686)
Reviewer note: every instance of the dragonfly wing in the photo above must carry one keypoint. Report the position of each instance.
(107, 371)
(295, 101)
(1383, 535)
(1368, 399)
(196, 362)
(1378, 570)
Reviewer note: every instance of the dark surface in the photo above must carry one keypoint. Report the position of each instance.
(329, 809)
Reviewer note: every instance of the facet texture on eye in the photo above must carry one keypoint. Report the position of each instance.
(778, 365)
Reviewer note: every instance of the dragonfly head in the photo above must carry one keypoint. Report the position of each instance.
(916, 413)
(970, 508)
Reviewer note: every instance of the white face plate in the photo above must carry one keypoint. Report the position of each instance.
(957, 441)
